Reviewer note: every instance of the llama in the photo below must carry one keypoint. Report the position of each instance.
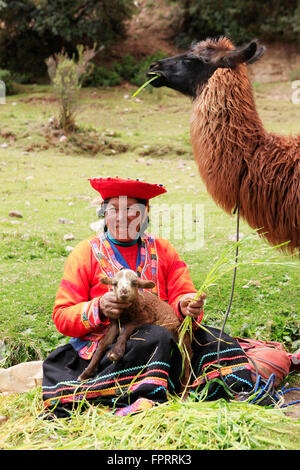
(240, 162)
(145, 308)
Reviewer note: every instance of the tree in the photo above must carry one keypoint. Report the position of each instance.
(240, 20)
(31, 30)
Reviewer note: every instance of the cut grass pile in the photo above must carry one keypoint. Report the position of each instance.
(173, 425)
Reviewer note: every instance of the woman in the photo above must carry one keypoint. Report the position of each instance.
(83, 308)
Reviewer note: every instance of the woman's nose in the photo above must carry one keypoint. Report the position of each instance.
(122, 216)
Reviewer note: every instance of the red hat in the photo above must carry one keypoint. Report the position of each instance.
(115, 187)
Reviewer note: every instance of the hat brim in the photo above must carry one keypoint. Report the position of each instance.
(116, 187)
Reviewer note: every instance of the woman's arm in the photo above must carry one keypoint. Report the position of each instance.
(75, 313)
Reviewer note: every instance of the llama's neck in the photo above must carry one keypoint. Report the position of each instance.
(225, 130)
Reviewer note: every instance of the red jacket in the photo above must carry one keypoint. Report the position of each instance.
(76, 309)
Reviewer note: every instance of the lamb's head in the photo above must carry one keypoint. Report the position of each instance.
(187, 72)
(126, 284)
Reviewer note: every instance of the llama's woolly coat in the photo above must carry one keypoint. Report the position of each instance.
(239, 161)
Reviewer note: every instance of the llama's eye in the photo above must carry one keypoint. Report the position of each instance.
(191, 58)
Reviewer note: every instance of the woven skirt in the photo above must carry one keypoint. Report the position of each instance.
(149, 369)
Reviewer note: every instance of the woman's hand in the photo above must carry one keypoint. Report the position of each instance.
(110, 307)
(191, 307)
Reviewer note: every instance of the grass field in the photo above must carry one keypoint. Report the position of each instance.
(44, 176)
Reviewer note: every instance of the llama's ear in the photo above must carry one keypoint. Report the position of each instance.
(108, 281)
(143, 283)
(259, 51)
(247, 54)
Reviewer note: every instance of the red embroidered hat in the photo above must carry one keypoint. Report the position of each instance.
(115, 187)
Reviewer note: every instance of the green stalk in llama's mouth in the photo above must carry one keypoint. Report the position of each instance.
(156, 75)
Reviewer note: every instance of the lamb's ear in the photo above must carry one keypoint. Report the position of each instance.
(248, 54)
(108, 281)
(143, 283)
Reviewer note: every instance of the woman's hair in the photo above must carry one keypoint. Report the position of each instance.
(144, 216)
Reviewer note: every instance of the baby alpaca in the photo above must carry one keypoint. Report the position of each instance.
(145, 308)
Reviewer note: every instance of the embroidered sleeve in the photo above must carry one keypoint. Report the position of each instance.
(75, 313)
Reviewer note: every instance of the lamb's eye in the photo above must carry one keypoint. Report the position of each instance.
(134, 282)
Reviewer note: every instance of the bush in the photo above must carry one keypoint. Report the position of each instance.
(23, 78)
(127, 69)
(102, 76)
(5, 76)
(139, 76)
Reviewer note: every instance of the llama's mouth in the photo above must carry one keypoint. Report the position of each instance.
(159, 80)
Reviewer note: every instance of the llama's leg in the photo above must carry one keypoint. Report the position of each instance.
(104, 343)
(119, 349)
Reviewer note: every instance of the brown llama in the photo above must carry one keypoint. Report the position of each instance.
(239, 161)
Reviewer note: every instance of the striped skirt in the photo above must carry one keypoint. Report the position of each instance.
(150, 369)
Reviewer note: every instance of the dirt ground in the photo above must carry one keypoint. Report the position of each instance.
(291, 397)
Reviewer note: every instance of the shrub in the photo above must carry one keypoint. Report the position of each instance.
(127, 69)
(102, 76)
(139, 76)
(66, 76)
(23, 78)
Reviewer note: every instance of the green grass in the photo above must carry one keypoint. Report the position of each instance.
(47, 179)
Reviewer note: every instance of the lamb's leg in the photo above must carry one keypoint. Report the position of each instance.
(104, 343)
(119, 349)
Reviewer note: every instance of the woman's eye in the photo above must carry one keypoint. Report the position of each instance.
(112, 210)
(132, 212)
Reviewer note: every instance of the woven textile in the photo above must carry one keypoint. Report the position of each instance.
(149, 369)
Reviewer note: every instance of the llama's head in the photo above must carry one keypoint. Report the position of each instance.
(187, 72)
(126, 284)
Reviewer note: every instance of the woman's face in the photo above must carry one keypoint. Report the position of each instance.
(123, 217)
